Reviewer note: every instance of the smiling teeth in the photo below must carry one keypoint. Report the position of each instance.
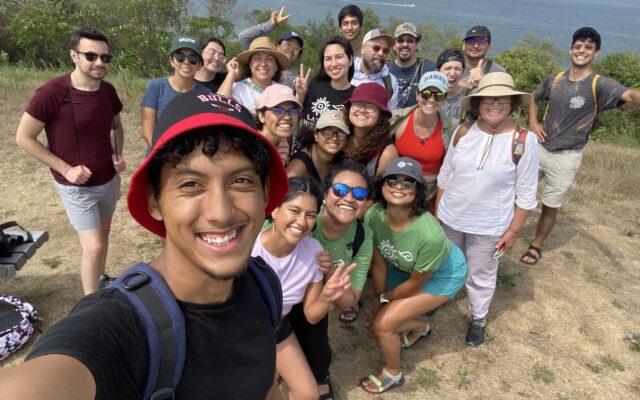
(346, 207)
(296, 229)
(221, 241)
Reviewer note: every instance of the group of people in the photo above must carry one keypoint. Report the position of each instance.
(411, 172)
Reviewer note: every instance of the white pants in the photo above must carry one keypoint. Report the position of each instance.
(482, 268)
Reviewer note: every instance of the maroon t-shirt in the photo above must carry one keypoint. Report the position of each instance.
(80, 134)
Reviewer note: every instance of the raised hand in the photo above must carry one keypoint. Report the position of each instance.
(475, 74)
(338, 284)
(302, 84)
(278, 17)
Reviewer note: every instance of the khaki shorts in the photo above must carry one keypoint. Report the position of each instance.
(558, 168)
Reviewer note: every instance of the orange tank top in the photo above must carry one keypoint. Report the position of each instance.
(429, 151)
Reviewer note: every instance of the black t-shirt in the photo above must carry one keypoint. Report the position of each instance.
(230, 346)
(320, 98)
(215, 83)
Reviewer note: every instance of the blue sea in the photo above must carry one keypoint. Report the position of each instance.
(618, 21)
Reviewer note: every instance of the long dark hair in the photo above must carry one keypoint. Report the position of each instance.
(377, 136)
(346, 45)
(420, 203)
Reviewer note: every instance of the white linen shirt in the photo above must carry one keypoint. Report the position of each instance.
(482, 185)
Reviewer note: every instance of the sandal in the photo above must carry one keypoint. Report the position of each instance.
(390, 381)
(406, 343)
(350, 314)
(533, 256)
(329, 395)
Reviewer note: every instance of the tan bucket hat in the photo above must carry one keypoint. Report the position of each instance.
(496, 84)
(260, 44)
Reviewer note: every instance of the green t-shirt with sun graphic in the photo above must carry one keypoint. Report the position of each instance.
(341, 250)
(422, 246)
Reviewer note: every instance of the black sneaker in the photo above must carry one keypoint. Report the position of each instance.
(476, 334)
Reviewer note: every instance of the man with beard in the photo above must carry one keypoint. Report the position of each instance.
(407, 67)
(372, 67)
(80, 114)
(205, 187)
(574, 100)
(476, 45)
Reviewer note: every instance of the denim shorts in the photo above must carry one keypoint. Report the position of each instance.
(87, 205)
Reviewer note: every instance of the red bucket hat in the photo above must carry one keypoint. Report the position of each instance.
(184, 113)
(370, 92)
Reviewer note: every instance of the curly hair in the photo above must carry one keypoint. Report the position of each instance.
(211, 138)
(346, 165)
(420, 202)
(377, 136)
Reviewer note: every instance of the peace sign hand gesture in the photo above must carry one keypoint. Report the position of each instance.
(302, 84)
(338, 284)
(278, 17)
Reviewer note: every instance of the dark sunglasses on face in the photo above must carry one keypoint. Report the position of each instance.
(480, 41)
(500, 100)
(341, 190)
(91, 56)
(439, 96)
(407, 183)
(329, 133)
(377, 48)
(279, 112)
(180, 57)
(368, 107)
(409, 40)
(587, 46)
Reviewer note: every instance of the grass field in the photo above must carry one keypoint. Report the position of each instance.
(560, 330)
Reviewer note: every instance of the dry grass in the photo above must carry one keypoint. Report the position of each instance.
(563, 321)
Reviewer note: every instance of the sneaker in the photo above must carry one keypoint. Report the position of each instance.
(476, 334)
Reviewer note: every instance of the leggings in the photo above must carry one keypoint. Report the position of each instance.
(314, 341)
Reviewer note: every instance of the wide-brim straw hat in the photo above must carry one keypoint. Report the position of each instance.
(260, 44)
(496, 84)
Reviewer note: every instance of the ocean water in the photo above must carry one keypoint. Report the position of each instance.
(618, 21)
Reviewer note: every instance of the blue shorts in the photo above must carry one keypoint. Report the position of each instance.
(445, 281)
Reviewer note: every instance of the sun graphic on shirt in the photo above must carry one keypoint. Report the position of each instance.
(576, 102)
(387, 250)
(320, 105)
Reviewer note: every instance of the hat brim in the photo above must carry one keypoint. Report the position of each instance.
(244, 57)
(495, 91)
(139, 185)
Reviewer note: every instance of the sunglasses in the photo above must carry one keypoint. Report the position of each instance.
(341, 190)
(500, 100)
(91, 56)
(368, 107)
(409, 40)
(480, 41)
(377, 48)
(280, 112)
(439, 96)
(587, 46)
(180, 57)
(329, 133)
(407, 183)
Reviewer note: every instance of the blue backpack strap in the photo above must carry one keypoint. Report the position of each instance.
(163, 323)
(269, 285)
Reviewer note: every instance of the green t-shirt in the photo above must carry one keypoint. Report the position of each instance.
(422, 246)
(340, 250)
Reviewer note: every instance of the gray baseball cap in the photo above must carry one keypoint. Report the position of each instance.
(404, 166)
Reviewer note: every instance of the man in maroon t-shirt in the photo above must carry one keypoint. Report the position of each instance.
(80, 114)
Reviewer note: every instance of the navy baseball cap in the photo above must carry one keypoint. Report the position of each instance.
(289, 36)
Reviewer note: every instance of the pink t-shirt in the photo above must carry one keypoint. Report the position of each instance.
(296, 271)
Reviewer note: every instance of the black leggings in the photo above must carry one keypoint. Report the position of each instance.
(314, 340)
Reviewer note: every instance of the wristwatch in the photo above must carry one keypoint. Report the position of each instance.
(382, 299)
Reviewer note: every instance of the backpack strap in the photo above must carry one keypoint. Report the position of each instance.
(358, 239)
(269, 285)
(594, 82)
(487, 66)
(518, 144)
(163, 324)
(554, 82)
(388, 84)
(462, 130)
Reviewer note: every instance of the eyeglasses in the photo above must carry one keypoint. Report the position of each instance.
(288, 46)
(91, 56)
(407, 183)
(439, 96)
(368, 107)
(377, 48)
(216, 55)
(341, 190)
(587, 46)
(192, 58)
(480, 41)
(409, 40)
(500, 100)
(329, 133)
(279, 112)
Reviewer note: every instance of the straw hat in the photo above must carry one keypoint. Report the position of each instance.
(261, 44)
(496, 84)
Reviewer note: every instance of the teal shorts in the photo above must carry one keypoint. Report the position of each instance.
(445, 281)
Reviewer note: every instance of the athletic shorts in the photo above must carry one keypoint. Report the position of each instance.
(284, 330)
(87, 205)
(445, 281)
(558, 168)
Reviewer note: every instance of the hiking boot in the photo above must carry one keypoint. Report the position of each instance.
(476, 334)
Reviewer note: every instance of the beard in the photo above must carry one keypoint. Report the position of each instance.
(373, 65)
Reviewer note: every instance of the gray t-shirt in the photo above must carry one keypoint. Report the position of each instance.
(452, 106)
(493, 67)
(571, 105)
